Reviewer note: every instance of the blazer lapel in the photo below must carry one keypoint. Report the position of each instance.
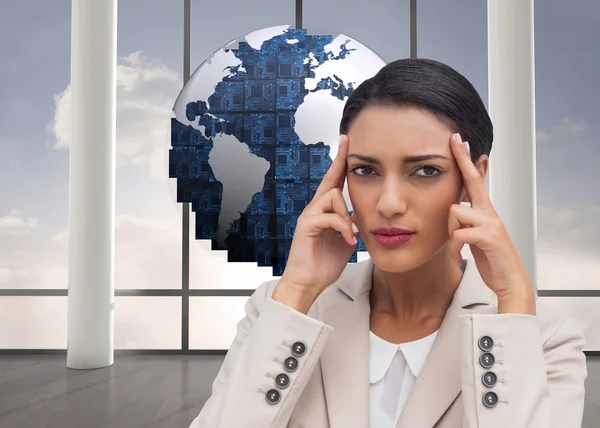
(439, 382)
(345, 306)
(345, 359)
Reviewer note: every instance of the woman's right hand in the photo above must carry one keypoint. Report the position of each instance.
(318, 255)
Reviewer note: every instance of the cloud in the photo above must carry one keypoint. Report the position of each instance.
(570, 126)
(62, 114)
(568, 247)
(567, 128)
(567, 270)
(569, 229)
(37, 262)
(543, 136)
(15, 223)
(147, 255)
(146, 92)
(148, 252)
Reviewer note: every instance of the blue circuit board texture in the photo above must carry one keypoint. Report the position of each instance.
(256, 103)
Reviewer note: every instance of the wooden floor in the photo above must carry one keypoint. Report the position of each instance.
(136, 391)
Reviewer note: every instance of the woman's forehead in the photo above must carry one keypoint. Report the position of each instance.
(404, 132)
(394, 121)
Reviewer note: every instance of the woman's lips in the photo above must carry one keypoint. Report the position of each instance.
(393, 240)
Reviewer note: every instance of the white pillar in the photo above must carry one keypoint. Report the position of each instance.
(511, 82)
(90, 317)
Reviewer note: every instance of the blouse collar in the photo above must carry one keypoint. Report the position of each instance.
(383, 353)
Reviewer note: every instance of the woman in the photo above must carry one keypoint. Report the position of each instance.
(414, 336)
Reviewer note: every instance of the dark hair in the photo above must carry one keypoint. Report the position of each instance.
(429, 84)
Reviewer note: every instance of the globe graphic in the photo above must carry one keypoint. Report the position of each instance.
(255, 129)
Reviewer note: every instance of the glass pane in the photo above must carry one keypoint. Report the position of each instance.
(148, 322)
(213, 26)
(455, 33)
(213, 321)
(149, 78)
(463, 47)
(34, 174)
(586, 310)
(560, 270)
(34, 213)
(568, 124)
(41, 322)
(33, 322)
(388, 37)
(210, 269)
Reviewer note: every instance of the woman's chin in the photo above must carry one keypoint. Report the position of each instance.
(393, 261)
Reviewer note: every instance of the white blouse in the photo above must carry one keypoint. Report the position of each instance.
(393, 371)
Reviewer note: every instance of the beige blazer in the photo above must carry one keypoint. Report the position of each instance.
(539, 364)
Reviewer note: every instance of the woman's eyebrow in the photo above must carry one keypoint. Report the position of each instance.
(406, 159)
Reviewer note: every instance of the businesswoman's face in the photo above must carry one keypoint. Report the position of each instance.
(388, 190)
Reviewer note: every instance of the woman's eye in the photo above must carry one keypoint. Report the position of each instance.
(363, 168)
(431, 171)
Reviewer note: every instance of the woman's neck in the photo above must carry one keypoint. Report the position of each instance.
(417, 297)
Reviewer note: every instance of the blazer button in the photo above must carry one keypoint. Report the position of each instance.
(486, 343)
(273, 396)
(489, 379)
(490, 399)
(298, 349)
(290, 364)
(282, 381)
(486, 360)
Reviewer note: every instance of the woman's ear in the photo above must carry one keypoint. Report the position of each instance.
(482, 165)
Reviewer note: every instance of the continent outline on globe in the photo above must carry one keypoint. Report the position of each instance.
(235, 150)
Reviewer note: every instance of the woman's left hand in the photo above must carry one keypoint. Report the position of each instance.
(479, 225)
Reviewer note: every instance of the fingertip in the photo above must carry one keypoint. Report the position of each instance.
(457, 138)
(344, 139)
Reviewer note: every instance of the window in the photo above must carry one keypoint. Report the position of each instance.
(567, 147)
(33, 147)
(34, 215)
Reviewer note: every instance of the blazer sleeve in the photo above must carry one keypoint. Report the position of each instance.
(267, 366)
(512, 377)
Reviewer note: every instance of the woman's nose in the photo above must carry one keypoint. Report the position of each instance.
(391, 201)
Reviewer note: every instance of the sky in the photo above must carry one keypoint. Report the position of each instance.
(35, 103)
